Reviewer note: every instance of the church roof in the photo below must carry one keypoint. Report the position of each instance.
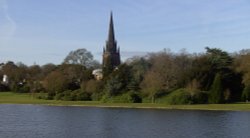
(111, 35)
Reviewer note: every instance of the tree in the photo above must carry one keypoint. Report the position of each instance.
(183, 63)
(17, 76)
(66, 77)
(216, 92)
(75, 74)
(94, 88)
(206, 66)
(162, 75)
(82, 57)
(246, 93)
(113, 86)
(219, 59)
(152, 85)
(201, 72)
(242, 66)
(55, 83)
(118, 80)
(34, 77)
(221, 62)
(139, 66)
(47, 68)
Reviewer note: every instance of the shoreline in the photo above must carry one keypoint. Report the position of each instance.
(200, 107)
(24, 99)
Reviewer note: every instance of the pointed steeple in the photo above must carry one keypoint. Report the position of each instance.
(111, 55)
(111, 35)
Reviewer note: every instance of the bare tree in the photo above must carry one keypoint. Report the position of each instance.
(162, 76)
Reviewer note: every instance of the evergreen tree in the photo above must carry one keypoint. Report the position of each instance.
(246, 93)
(216, 91)
(113, 86)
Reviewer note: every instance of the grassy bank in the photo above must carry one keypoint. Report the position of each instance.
(16, 98)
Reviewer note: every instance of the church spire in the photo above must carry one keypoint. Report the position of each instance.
(111, 36)
(111, 55)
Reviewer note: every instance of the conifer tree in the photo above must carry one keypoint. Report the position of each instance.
(246, 93)
(216, 91)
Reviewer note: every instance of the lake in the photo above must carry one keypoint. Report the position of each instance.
(38, 121)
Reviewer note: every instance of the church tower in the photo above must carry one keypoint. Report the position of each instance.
(111, 54)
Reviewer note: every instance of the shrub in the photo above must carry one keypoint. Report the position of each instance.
(59, 96)
(21, 88)
(82, 96)
(184, 96)
(50, 96)
(130, 97)
(200, 98)
(41, 95)
(96, 96)
(76, 95)
(180, 96)
(134, 97)
(67, 96)
(4, 88)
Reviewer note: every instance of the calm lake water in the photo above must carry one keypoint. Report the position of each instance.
(35, 121)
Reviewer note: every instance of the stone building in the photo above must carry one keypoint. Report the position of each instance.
(111, 54)
(97, 74)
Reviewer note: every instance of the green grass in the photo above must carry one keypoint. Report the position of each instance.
(17, 98)
(27, 98)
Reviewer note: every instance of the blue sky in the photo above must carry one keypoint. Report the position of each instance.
(45, 31)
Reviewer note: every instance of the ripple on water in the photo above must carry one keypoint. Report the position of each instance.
(29, 121)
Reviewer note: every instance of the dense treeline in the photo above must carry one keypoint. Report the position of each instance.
(163, 77)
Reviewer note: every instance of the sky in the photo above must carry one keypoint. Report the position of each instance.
(45, 31)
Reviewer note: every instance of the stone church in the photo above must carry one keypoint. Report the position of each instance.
(111, 54)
